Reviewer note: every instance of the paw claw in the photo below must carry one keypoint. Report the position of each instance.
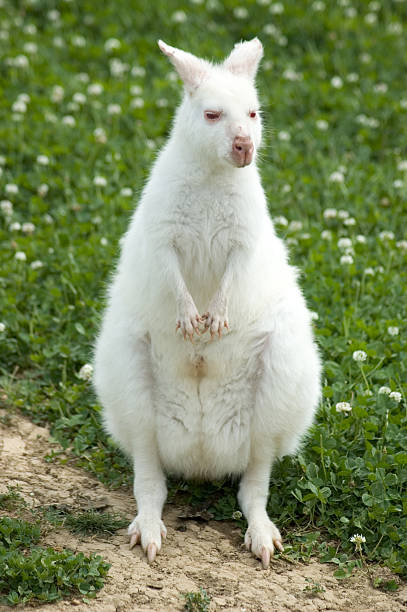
(151, 552)
(265, 557)
(134, 539)
(279, 545)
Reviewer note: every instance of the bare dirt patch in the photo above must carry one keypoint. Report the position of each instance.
(208, 555)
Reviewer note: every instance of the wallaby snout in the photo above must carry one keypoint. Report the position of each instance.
(242, 151)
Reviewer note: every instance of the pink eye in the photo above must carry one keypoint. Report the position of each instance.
(212, 115)
(253, 114)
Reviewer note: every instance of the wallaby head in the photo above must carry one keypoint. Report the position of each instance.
(219, 119)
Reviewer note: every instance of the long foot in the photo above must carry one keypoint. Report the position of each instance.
(149, 533)
(262, 538)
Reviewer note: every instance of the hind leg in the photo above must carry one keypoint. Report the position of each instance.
(262, 536)
(124, 383)
(287, 395)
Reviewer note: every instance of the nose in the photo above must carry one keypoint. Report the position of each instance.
(242, 151)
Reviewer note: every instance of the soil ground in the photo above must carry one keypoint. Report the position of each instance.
(195, 554)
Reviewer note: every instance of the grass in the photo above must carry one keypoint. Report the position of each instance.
(334, 167)
(31, 573)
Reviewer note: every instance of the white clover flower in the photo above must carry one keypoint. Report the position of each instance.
(286, 188)
(305, 236)
(139, 71)
(336, 177)
(343, 407)
(11, 189)
(58, 42)
(83, 77)
(291, 75)
(104, 241)
(136, 90)
(393, 331)
(358, 539)
(402, 245)
(86, 372)
(343, 214)
(100, 135)
(78, 41)
(181, 16)
(54, 15)
(137, 103)
(330, 213)
(43, 160)
(368, 393)
(395, 28)
(117, 67)
(352, 77)
(370, 18)
(69, 120)
(30, 29)
(326, 235)
(57, 94)
(42, 190)
(20, 61)
(6, 207)
(337, 82)
(359, 356)
(284, 136)
(346, 259)
(126, 192)
(28, 227)
(2, 160)
(398, 183)
(281, 220)
(322, 125)
(318, 5)
(48, 219)
(381, 87)
(36, 265)
(295, 226)
(19, 106)
(344, 243)
(277, 8)
(79, 97)
(374, 6)
(402, 165)
(351, 12)
(384, 391)
(15, 227)
(20, 256)
(100, 181)
(162, 102)
(365, 58)
(314, 315)
(367, 121)
(361, 239)
(396, 396)
(30, 47)
(112, 44)
(114, 109)
(2, 327)
(386, 235)
(95, 89)
(237, 515)
(349, 221)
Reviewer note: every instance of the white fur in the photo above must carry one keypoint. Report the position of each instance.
(202, 241)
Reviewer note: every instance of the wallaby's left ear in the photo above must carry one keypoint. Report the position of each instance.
(244, 59)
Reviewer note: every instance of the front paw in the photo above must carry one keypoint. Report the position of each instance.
(188, 320)
(216, 318)
(148, 532)
(262, 537)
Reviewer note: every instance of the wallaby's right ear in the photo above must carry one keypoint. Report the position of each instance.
(191, 69)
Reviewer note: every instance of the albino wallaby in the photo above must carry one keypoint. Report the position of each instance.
(201, 255)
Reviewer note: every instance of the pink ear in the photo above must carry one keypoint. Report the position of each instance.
(191, 69)
(245, 58)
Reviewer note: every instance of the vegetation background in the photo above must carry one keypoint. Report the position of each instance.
(86, 101)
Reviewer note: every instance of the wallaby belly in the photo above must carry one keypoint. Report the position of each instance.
(203, 417)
